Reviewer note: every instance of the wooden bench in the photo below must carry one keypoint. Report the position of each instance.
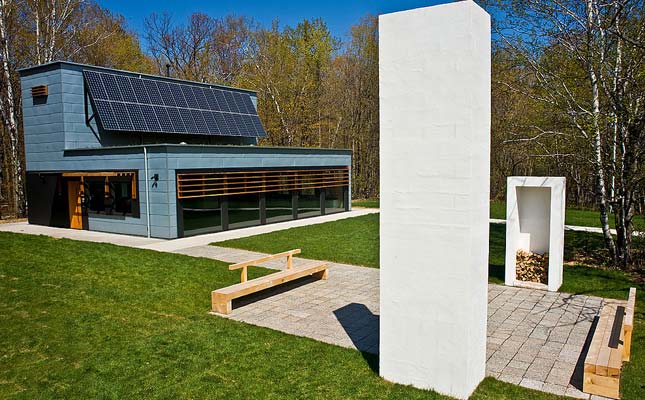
(610, 346)
(221, 299)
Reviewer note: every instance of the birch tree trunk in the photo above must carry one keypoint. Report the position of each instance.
(601, 188)
(9, 113)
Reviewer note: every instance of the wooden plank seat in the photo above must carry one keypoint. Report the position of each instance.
(221, 299)
(610, 346)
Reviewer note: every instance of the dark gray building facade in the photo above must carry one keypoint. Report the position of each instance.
(123, 152)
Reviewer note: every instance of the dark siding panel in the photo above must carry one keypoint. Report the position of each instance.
(47, 199)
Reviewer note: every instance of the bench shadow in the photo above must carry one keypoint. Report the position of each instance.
(266, 293)
(362, 327)
(578, 372)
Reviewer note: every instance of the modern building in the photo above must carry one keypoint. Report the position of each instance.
(124, 152)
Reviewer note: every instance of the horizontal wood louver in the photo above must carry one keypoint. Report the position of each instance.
(210, 184)
(39, 91)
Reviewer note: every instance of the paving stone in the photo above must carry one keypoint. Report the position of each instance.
(534, 337)
(531, 384)
(513, 379)
(510, 371)
(575, 393)
(559, 377)
(497, 365)
(519, 364)
(555, 389)
(536, 374)
(596, 397)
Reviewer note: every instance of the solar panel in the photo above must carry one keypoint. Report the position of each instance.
(248, 104)
(123, 83)
(221, 124)
(136, 116)
(199, 121)
(212, 125)
(212, 101)
(126, 102)
(202, 103)
(230, 100)
(151, 118)
(153, 92)
(108, 119)
(140, 92)
(248, 124)
(175, 120)
(121, 116)
(221, 100)
(188, 120)
(165, 123)
(166, 96)
(178, 96)
(259, 130)
(189, 96)
(240, 103)
(234, 129)
(94, 82)
(109, 83)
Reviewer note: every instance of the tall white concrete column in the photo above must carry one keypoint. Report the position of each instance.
(435, 150)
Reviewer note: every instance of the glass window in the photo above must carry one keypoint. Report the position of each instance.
(309, 203)
(95, 190)
(120, 194)
(202, 215)
(243, 210)
(111, 195)
(334, 200)
(279, 206)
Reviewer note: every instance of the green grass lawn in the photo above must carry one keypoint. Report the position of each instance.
(355, 241)
(367, 203)
(572, 217)
(86, 320)
(352, 241)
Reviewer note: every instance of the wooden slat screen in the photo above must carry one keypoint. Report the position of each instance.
(210, 184)
(39, 91)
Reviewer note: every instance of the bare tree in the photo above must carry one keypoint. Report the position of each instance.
(185, 48)
(584, 62)
(9, 106)
(40, 31)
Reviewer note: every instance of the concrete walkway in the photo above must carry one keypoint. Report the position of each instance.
(536, 339)
(174, 245)
(74, 234)
(589, 229)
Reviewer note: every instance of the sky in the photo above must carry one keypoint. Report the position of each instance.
(339, 15)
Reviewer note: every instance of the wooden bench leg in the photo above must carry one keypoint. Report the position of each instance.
(221, 304)
(321, 275)
(606, 386)
(627, 344)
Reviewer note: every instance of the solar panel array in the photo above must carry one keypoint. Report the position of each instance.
(137, 104)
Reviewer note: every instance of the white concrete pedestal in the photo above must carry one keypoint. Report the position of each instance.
(434, 164)
(535, 208)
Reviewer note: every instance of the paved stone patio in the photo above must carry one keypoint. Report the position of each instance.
(535, 338)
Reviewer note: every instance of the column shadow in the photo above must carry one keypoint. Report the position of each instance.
(362, 327)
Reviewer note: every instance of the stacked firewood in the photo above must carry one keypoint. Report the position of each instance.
(532, 267)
